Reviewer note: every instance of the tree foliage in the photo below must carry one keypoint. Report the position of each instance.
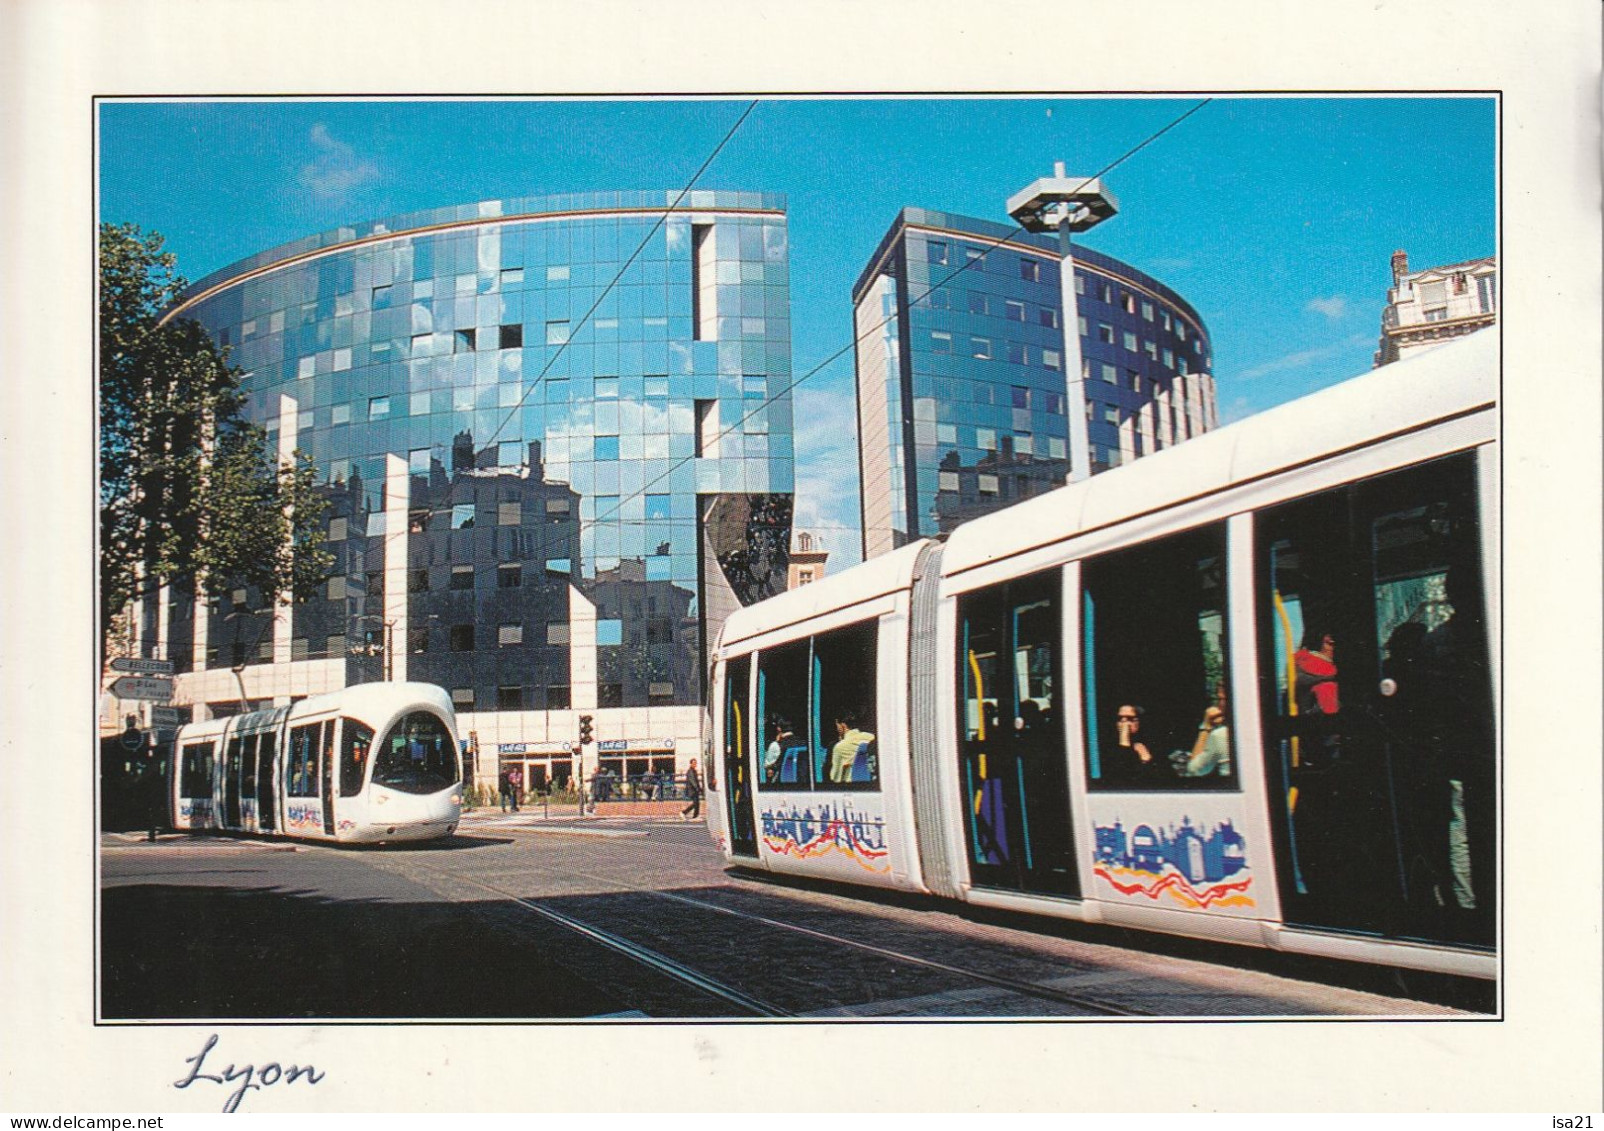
(190, 492)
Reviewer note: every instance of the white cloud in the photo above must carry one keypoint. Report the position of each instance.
(1300, 358)
(336, 168)
(1333, 308)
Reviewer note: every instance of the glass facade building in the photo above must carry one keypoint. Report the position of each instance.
(556, 440)
(966, 402)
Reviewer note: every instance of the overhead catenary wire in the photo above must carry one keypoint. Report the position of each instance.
(1005, 241)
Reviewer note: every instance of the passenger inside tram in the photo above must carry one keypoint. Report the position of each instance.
(851, 740)
(1211, 752)
(1127, 760)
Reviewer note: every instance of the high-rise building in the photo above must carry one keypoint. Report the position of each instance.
(964, 402)
(552, 470)
(1429, 307)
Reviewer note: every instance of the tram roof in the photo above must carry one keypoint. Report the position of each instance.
(888, 573)
(1398, 398)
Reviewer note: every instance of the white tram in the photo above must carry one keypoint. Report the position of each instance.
(1240, 689)
(373, 762)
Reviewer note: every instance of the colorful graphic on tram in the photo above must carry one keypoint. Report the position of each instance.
(832, 828)
(304, 815)
(1183, 864)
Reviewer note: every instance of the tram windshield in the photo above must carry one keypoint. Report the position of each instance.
(417, 755)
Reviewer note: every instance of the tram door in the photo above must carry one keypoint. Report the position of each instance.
(233, 767)
(326, 788)
(267, 782)
(1011, 738)
(737, 771)
(1378, 706)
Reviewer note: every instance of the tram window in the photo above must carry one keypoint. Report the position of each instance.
(416, 756)
(195, 778)
(305, 742)
(783, 708)
(1157, 702)
(845, 752)
(248, 768)
(355, 742)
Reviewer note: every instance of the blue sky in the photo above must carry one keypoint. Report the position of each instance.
(1276, 218)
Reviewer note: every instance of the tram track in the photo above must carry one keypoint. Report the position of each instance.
(1082, 1003)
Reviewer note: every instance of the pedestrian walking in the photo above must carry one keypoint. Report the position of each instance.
(515, 780)
(504, 789)
(693, 793)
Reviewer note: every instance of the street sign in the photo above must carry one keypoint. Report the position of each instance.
(142, 687)
(165, 717)
(142, 667)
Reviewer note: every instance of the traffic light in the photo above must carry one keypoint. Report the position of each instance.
(586, 734)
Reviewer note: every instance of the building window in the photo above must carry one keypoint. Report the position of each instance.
(1048, 317)
(463, 341)
(558, 509)
(1150, 348)
(1105, 333)
(609, 632)
(462, 577)
(558, 697)
(306, 367)
(1147, 311)
(512, 336)
(1110, 374)
(658, 507)
(337, 588)
(557, 273)
(1013, 311)
(1105, 293)
(1136, 379)
(1021, 396)
(340, 414)
(1029, 270)
(337, 530)
(509, 514)
(940, 341)
(977, 303)
(1129, 341)
(1169, 358)
(804, 576)
(378, 408)
(461, 516)
(509, 698)
(1440, 314)
(509, 575)
(976, 256)
(462, 638)
(417, 640)
(949, 481)
(418, 580)
(1080, 283)
(609, 695)
(606, 447)
(462, 698)
(509, 634)
(936, 250)
(557, 635)
(512, 276)
(1487, 293)
(981, 348)
(988, 484)
(557, 333)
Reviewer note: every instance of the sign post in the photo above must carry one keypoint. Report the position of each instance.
(142, 687)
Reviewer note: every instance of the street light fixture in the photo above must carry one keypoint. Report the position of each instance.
(1067, 205)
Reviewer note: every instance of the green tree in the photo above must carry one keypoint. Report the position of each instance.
(190, 492)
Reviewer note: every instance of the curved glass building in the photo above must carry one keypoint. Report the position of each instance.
(965, 404)
(556, 440)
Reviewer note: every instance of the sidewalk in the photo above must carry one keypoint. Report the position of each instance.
(660, 812)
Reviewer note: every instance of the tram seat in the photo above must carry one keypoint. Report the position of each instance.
(863, 764)
(788, 762)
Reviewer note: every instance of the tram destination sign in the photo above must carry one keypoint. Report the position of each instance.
(141, 667)
(142, 687)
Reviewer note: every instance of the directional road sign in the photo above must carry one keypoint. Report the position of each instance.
(164, 717)
(142, 667)
(142, 687)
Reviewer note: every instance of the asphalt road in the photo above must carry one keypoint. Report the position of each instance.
(516, 920)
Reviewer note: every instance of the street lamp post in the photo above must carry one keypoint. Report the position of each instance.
(1067, 205)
